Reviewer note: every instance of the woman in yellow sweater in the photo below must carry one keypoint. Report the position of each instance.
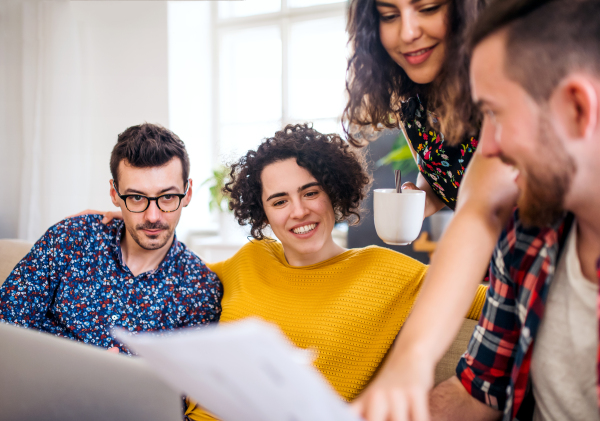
(348, 305)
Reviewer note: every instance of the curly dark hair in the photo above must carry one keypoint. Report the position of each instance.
(376, 84)
(338, 168)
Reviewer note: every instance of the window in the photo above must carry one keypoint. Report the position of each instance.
(278, 62)
(241, 70)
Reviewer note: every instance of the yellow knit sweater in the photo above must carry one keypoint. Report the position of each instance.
(348, 308)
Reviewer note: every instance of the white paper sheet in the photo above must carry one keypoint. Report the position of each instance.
(242, 371)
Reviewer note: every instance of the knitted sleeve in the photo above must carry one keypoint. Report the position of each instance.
(477, 305)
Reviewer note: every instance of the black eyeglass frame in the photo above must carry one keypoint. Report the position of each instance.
(151, 199)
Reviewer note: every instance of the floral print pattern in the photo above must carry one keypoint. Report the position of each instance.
(74, 283)
(440, 164)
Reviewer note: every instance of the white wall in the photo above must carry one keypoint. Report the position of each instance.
(121, 80)
(11, 150)
(124, 46)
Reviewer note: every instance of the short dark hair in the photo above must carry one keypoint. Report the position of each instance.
(546, 39)
(376, 84)
(339, 170)
(148, 145)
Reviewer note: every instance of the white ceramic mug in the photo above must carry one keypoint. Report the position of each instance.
(398, 216)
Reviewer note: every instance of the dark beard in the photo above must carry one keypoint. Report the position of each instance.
(134, 234)
(548, 180)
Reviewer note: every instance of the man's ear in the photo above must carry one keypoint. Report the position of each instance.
(186, 200)
(574, 107)
(113, 194)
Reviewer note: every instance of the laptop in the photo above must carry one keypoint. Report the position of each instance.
(44, 377)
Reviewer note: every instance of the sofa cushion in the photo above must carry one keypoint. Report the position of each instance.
(446, 368)
(11, 253)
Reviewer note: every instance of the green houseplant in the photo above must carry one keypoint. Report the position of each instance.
(216, 182)
(400, 157)
(229, 229)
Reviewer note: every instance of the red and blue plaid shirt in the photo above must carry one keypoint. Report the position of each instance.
(495, 368)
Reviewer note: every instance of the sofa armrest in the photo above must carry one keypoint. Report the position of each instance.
(11, 253)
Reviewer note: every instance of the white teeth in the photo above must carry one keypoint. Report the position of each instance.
(418, 53)
(304, 229)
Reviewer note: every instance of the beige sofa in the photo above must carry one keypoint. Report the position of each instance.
(12, 251)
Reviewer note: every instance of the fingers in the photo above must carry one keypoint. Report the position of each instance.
(113, 350)
(358, 406)
(377, 409)
(85, 212)
(109, 216)
(106, 216)
(419, 408)
(409, 186)
(395, 405)
(398, 407)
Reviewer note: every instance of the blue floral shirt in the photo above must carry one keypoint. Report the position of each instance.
(74, 283)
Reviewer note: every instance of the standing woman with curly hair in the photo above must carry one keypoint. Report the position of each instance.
(410, 70)
(348, 305)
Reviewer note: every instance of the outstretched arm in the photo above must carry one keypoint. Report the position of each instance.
(432, 202)
(486, 199)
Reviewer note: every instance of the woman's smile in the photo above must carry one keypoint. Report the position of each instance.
(305, 230)
(419, 56)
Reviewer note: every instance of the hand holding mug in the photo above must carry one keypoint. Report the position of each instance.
(399, 216)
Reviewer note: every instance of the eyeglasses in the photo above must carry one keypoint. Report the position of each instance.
(137, 203)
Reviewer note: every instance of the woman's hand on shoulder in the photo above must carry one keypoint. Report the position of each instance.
(107, 215)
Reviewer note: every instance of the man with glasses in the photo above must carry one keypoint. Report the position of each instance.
(84, 277)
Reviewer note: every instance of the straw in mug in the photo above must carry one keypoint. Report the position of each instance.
(398, 181)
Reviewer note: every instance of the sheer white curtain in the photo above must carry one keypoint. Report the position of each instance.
(73, 75)
(48, 105)
(54, 178)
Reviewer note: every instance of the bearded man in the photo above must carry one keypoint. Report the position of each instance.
(535, 72)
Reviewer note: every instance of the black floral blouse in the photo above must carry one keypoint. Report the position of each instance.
(440, 164)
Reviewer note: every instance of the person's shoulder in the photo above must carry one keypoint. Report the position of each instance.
(186, 256)
(384, 256)
(383, 266)
(190, 265)
(255, 254)
(377, 251)
(518, 237)
(523, 248)
(84, 226)
(266, 245)
(259, 248)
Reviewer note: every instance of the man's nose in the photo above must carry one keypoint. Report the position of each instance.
(489, 140)
(153, 213)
